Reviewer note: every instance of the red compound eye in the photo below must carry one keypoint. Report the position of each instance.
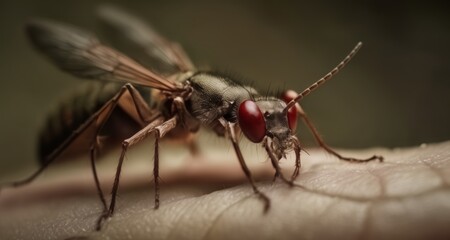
(251, 121)
(287, 96)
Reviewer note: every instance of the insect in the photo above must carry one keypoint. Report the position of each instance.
(168, 97)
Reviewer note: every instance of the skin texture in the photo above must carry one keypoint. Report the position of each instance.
(207, 197)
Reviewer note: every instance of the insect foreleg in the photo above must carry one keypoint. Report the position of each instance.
(322, 143)
(298, 164)
(231, 131)
(274, 161)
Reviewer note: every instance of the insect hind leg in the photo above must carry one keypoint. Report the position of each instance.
(28, 179)
(322, 143)
(93, 155)
(93, 127)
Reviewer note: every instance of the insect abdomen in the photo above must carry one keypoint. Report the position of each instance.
(72, 113)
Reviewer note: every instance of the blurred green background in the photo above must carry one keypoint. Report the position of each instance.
(394, 93)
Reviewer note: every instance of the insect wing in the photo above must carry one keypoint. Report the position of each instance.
(81, 54)
(142, 42)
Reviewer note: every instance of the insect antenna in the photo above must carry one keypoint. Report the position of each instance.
(325, 78)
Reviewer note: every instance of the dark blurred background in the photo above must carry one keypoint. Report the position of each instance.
(394, 93)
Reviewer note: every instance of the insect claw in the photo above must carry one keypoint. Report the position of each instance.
(266, 201)
(380, 158)
(274, 178)
(374, 157)
(156, 204)
(103, 218)
(290, 183)
(281, 176)
(294, 175)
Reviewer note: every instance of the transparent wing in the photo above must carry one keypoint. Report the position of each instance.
(81, 54)
(142, 42)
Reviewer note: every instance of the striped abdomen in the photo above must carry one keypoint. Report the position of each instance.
(75, 111)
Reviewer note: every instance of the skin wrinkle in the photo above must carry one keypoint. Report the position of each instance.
(365, 231)
(220, 215)
(380, 181)
(367, 224)
(372, 202)
(436, 170)
(216, 220)
(180, 218)
(422, 157)
(213, 222)
(368, 199)
(325, 211)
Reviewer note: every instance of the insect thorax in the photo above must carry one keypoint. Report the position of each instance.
(215, 95)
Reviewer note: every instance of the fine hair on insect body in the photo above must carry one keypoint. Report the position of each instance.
(156, 91)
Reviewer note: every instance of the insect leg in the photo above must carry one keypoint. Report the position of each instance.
(186, 119)
(160, 128)
(90, 130)
(298, 164)
(49, 161)
(189, 122)
(230, 128)
(93, 153)
(275, 164)
(160, 131)
(143, 115)
(322, 143)
(28, 179)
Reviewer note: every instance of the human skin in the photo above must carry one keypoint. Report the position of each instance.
(207, 197)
